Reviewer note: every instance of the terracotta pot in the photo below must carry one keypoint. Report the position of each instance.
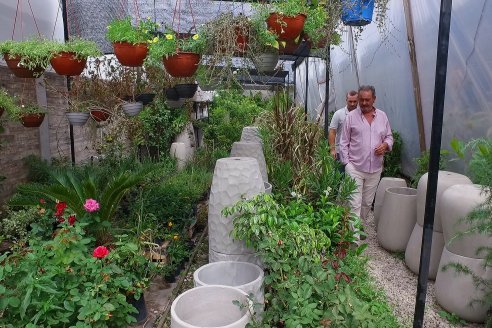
(182, 64)
(131, 55)
(241, 41)
(100, 115)
(32, 120)
(65, 63)
(287, 28)
(19, 71)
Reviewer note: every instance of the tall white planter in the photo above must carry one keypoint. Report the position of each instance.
(398, 218)
(251, 134)
(251, 149)
(385, 183)
(178, 151)
(210, 306)
(412, 252)
(253, 258)
(234, 178)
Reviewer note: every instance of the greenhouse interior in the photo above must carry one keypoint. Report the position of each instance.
(247, 163)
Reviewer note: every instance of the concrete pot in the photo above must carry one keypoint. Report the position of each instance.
(210, 306)
(384, 184)
(251, 134)
(456, 292)
(456, 203)
(445, 180)
(412, 252)
(132, 109)
(253, 258)
(178, 151)
(77, 119)
(235, 178)
(398, 218)
(251, 149)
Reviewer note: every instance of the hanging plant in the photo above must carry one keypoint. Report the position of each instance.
(26, 59)
(70, 58)
(285, 18)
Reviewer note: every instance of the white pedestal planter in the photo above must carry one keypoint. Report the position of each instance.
(178, 151)
(253, 258)
(210, 306)
(398, 218)
(251, 134)
(234, 178)
(77, 119)
(456, 292)
(412, 252)
(251, 149)
(384, 184)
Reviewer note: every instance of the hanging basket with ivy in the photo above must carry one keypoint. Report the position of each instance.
(26, 59)
(69, 58)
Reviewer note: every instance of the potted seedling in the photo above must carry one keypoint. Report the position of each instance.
(26, 59)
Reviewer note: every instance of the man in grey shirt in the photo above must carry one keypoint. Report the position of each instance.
(337, 121)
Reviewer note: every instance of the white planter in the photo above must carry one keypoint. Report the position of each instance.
(398, 218)
(384, 184)
(456, 203)
(456, 292)
(251, 149)
(412, 252)
(210, 306)
(248, 277)
(77, 119)
(132, 109)
(235, 178)
(251, 134)
(253, 258)
(266, 62)
(178, 151)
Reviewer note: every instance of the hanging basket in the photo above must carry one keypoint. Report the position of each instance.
(182, 64)
(32, 120)
(241, 41)
(132, 108)
(286, 27)
(20, 71)
(65, 63)
(186, 90)
(131, 55)
(100, 115)
(357, 12)
(77, 119)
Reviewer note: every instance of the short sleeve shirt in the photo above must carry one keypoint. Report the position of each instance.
(337, 123)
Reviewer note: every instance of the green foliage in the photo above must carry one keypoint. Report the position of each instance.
(392, 159)
(38, 170)
(170, 44)
(16, 223)
(480, 164)
(423, 165)
(288, 7)
(12, 107)
(122, 30)
(314, 25)
(8, 102)
(82, 48)
(452, 318)
(34, 53)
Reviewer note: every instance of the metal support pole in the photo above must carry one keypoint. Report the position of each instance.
(327, 89)
(435, 149)
(307, 87)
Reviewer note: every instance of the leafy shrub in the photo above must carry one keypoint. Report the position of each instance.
(15, 226)
(423, 165)
(392, 159)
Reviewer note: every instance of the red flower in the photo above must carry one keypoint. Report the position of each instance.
(61, 220)
(280, 242)
(71, 220)
(100, 252)
(60, 207)
(42, 201)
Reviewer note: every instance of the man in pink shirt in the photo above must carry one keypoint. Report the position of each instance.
(366, 136)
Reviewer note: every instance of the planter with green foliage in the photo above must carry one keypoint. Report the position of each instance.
(29, 115)
(26, 59)
(70, 58)
(286, 18)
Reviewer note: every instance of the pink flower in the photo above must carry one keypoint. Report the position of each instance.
(100, 252)
(91, 205)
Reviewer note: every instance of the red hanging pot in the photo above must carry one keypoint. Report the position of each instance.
(65, 63)
(100, 115)
(20, 71)
(131, 55)
(182, 64)
(32, 120)
(286, 27)
(241, 41)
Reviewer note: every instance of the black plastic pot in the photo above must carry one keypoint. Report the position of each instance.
(139, 304)
(186, 90)
(172, 94)
(145, 98)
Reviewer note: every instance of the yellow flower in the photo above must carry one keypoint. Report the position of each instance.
(195, 37)
(169, 36)
(169, 224)
(154, 40)
(175, 237)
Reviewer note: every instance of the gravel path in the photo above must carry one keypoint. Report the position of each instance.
(400, 284)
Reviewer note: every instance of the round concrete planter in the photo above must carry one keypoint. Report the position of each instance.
(235, 178)
(210, 306)
(248, 277)
(77, 119)
(445, 180)
(412, 252)
(456, 203)
(251, 134)
(398, 218)
(456, 292)
(214, 256)
(178, 151)
(251, 149)
(384, 184)
(132, 109)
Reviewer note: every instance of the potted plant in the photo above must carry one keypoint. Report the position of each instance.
(26, 59)
(130, 42)
(186, 90)
(286, 18)
(7, 103)
(228, 35)
(315, 32)
(180, 54)
(30, 115)
(70, 58)
(78, 112)
(264, 46)
(99, 114)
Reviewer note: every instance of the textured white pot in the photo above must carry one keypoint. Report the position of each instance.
(456, 203)
(456, 292)
(132, 109)
(251, 149)
(398, 218)
(77, 119)
(178, 151)
(266, 62)
(412, 252)
(210, 306)
(251, 134)
(248, 277)
(445, 180)
(384, 184)
(234, 178)
(214, 256)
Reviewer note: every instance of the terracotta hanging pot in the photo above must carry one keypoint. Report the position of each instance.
(182, 64)
(20, 71)
(32, 120)
(65, 63)
(286, 27)
(100, 115)
(131, 55)
(242, 40)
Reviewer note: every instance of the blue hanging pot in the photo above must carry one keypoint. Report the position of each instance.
(357, 12)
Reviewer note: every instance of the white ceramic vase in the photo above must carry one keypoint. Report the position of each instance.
(251, 149)
(385, 183)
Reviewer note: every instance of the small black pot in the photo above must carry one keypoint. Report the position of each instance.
(145, 98)
(186, 90)
(172, 94)
(139, 304)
